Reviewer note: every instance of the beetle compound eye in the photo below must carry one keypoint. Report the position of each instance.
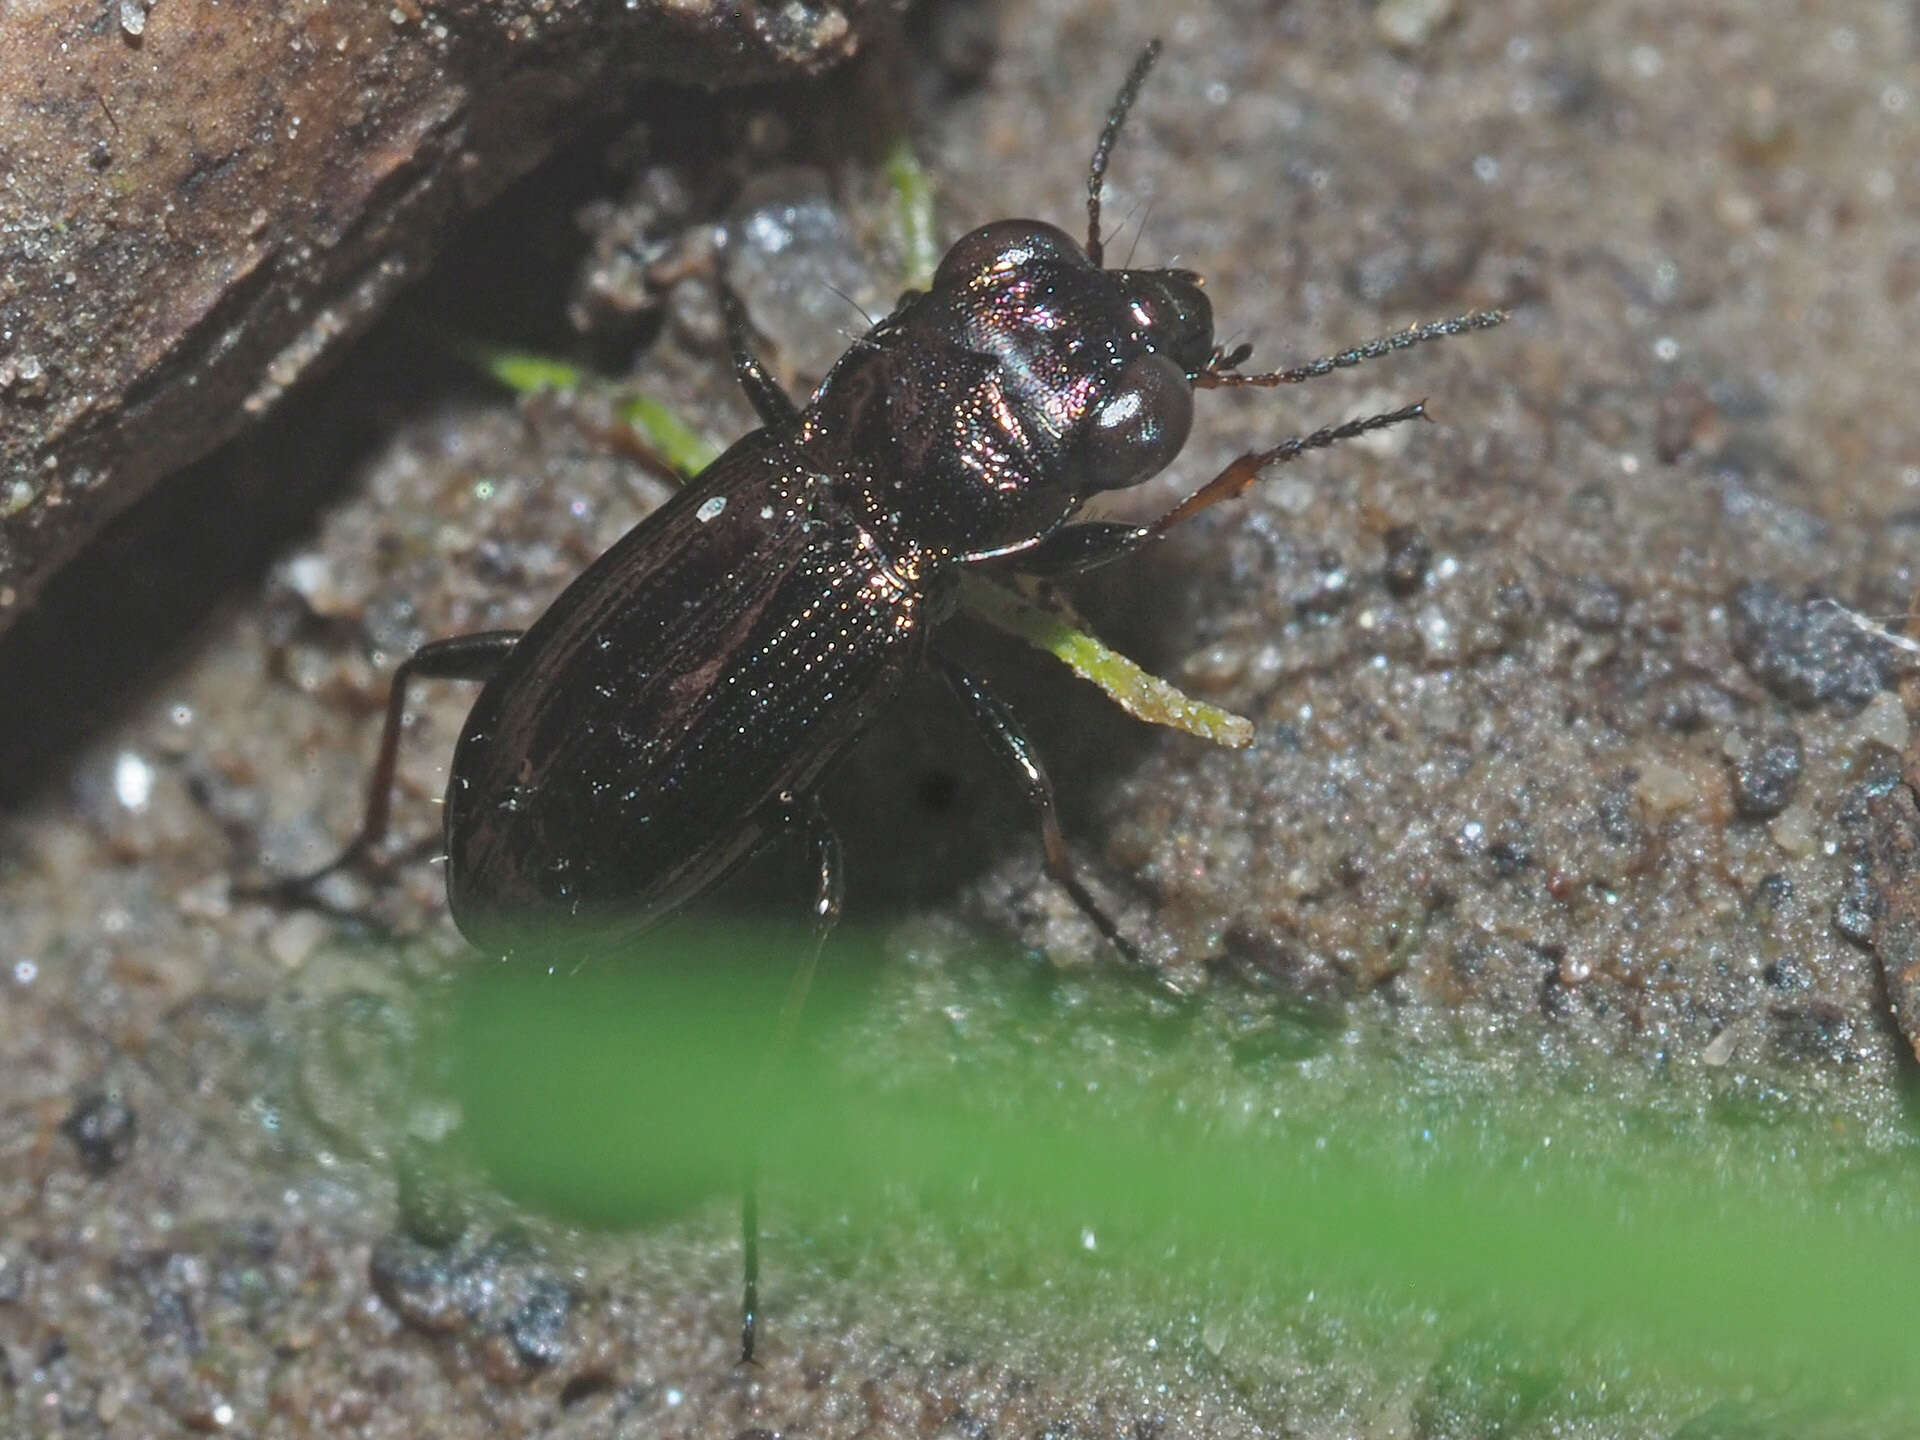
(1005, 246)
(1140, 428)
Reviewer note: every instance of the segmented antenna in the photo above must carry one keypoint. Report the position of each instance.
(1221, 373)
(1116, 117)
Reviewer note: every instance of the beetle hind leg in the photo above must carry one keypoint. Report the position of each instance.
(463, 657)
(1011, 745)
(804, 815)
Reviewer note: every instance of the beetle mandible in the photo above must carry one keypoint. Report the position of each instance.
(675, 708)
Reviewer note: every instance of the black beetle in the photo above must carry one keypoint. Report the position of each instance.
(674, 710)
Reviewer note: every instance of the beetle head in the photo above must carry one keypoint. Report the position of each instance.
(1027, 379)
(1097, 366)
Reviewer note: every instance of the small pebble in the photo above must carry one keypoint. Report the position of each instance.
(1664, 789)
(537, 1328)
(1409, 24)
(1408, 558)
(293, 941)
(1796, 830)
(1598, 606)
(1685, 421)
(1884, 722)
(1765, 779)
(1806, 651)
(1720, 1049)
(1854, 913)
(1216, 667)
(112, 1400)
(1438, 635)
(102, 1128)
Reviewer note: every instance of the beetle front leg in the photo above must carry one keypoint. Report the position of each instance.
(463, 657)
(1013, 748)
(1074, 549)
(830, 889)
(1243, 470)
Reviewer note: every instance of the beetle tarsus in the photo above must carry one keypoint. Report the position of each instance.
(750, 1250)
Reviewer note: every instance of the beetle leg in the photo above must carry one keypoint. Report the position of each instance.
(750, 1249)
(1004, 735)
(463, 657)
(1087, 546)
(769, 401)
(1244, 470)
(1073, 549)
(795, 814)
(625, 439)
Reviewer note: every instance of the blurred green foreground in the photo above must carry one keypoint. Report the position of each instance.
(620, 1094)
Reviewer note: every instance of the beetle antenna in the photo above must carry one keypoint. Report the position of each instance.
(1220, 372)
(1102, 151)
(857, 307)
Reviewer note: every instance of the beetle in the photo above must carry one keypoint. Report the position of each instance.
(674, 710)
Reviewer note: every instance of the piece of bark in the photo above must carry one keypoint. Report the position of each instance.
(202, 201)
(1893, 862)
